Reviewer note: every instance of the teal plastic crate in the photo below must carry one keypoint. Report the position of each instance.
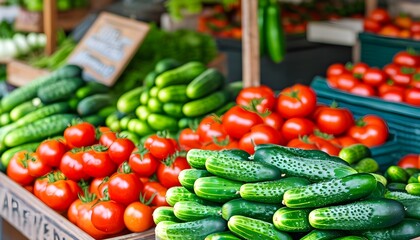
(379, 50)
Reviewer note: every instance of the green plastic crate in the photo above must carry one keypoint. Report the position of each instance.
(378, 51)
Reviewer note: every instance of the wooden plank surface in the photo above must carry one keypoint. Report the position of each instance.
(50, 25)
(20, 73)
(35, 220)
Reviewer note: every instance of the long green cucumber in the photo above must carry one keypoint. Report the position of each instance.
(361, 215)
(187, 177)
(249, 228)
(270, 191)
(405, 230)
(397, 174)
(318, 234)
(243, 171)
(60, 90)
(292, 220)
(380, 178)
(197, 157)
(222, 236)
(177, 194)
(217, 189)
(312, 154)
(256, 210)
(412, 208)
(191, 211)
(378, 192)
(321, 194)
(164, 213)
(313, 169)
(195, 230)
(351, 238)
(354, 153)
(25, 108)
(413, 189)
(43, 112)
(398, 187)
(400, 195)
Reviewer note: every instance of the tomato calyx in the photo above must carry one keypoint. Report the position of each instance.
(142, 199)
(323, 135)
(56, 176)
(86, 196)
(99, 148)
(125, 168)
(223, 142)
(252, 107)
(163, 134)
(408, 70)
(169, 161)
(349, 66)
(416, 77)
(413, 52)
(141, 150)
(360, 123)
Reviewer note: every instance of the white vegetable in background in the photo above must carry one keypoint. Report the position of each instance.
(21, 43)
(32, 40)
(41, 40)
(11, 49)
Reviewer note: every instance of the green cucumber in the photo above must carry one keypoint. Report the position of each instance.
(164, 213)
(94, 119)
(313, 169)
(178, 194)
(166, 64)
(398, 187)
(414, 178)
(312, 154)
(318, 234)
(25, 108)
(39, 130)
(405, 230)
(243, 171)
(106, 111)
(60, 90)
(187, 177)
(173, 109)
(183, 74)
(351, 238)
(292, 220)
(380, 178)
(413, 188)
(141, 128)
(321, 194)
(43, 112)
(217, 189)
(160, 122)
(154, 105)
(378, 192)
(366, 165)
(125, 120)
(412, 208)
(144, 97)
(361, 215)
(354, 153)
(205, 105)
(197, 157)
(91, 88)
(249, 228)
(270, 191)
(412, 171)
(206, 83)
(5, 119)
(192, 211)
(130, 135)
(142, 112)
(399, 195)
(256, 210)
(8, 154)
(94, 103)
(130, 100)
(175, 93)
(149, 80)
(397, 174)
(153, 92)
(222, 236)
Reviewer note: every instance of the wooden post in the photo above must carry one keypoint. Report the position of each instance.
(50, 25)
(370, 6)
(250, 44)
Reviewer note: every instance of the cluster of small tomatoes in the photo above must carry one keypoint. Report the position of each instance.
(103, 182)
(291, 118)
(403, 26)
(398, 81)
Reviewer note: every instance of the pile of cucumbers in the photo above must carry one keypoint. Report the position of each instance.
(172, 96)
(47, 105)
(283, 193)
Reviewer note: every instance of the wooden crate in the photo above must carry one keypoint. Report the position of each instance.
(20, 73)
(35, 220)
(27, 21)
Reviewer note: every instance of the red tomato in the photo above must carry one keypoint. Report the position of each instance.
(415, 81)
(409, 161)
(363, 89)
(332, 120)
(39, 186)
(336, 69)
(80, 135)
(403, 21)
(143, 164)
(416, 36)
(138, 217)
(374, 77)
(95, 187)
(380, 15)
(97, 163)
(107, 138)
(157, 191)
(71, 166)
(370, 25)
(415, 27)
(263, 95)
(295, 127)
(344, 141)
(407, 59)
(370, 130)
(359, 69)
(84, 221)
(215, 131)
(346, 81)
(296, 101)
(402, 77)
(51, 151)
(274, 120)
(160, 147)
(189, 139)
(389, 31)
(73, 211)
(120, 150)
(17, 170)
(388, 86)
(60, 194)
(124, 187)
(302, 143)
(412, 96)
(36, 167)
(391, 69)
(238, 121)
(332, 81)
(393, 95)
(404, 33)
(108, 216)
(324, 145)
(168, 175)
(260, 134)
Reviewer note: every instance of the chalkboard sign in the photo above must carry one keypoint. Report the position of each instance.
(108, 46)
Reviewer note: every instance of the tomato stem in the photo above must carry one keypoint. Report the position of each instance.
(360, 122)
(323, 135)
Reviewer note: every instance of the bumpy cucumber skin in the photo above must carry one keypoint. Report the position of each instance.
(197, 157)
(400, 195)
(412, 208)
(187, 177)
(318, 234)
(164, 213)
(351, 238)
(222, 236)
(332, 191)
(192, 211)
(292, 220)
(413, 188)
(270, 191)
(405, 230)
(256, 210)
(177, 194)
(361, 215)
(249, 228)
(217, 189)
